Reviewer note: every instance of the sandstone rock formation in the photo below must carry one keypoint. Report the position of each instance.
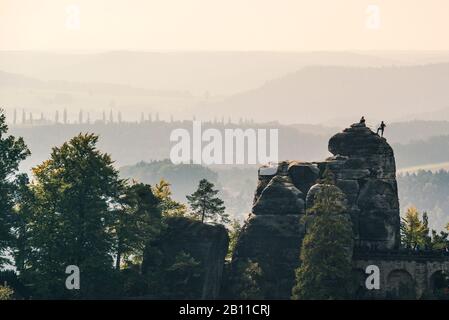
(363, 167)
(207, 244)
(273, 233)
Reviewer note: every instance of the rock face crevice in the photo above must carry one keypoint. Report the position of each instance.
(363, 167)
(272, 235)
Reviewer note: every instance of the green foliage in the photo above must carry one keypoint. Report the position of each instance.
(205, 204)
(414, 231)
(180, 175)
(12, 152)
(247, 285)
(138, 221)
(427, 191)
(182, 277)
(234, 232)
(133, 282)
(72, 222)
(325, 271)
(6, 292)
(236, 184)
(439, 241)
(172, 277)
(23, 217)
(168, 206)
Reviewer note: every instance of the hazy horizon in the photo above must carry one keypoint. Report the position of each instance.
(262, 25)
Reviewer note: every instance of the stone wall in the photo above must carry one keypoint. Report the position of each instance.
(411, 276)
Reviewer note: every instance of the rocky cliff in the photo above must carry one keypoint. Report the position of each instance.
(363, 167)
(206, 244)
(273, 233)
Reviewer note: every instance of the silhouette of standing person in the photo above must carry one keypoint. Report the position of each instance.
(381, 129)
(362, 120)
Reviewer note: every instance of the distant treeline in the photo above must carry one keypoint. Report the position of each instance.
(427, 191)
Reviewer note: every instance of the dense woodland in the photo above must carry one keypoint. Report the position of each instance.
(76, 209)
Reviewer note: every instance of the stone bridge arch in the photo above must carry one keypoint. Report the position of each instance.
(400, 273)
(400, 284)
(438, 279)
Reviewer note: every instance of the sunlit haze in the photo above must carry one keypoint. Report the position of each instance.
(223, 25)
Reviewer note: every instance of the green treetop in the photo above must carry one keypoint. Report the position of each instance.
(206, 205)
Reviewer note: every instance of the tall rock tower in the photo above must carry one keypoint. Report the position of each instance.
(364, 168)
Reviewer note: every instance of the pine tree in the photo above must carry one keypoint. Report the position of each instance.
(205, 204)
(326, 252)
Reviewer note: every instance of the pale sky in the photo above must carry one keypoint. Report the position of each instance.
(184, 25)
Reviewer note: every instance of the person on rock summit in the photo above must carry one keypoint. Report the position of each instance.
(381, 129)
(362, 120)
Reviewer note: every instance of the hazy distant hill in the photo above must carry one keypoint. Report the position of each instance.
(183, 177)
(407, 131)
(8, 79)
(315, 87)
(198, 72)
(414, 143)
(48, 96)
(422, 152)
(129, 143)
(323, 94)
(236, 185)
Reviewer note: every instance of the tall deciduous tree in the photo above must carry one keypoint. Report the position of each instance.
(168, 206)
(414, 231)
(206, 205)
(72, 222)
(12, 152)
